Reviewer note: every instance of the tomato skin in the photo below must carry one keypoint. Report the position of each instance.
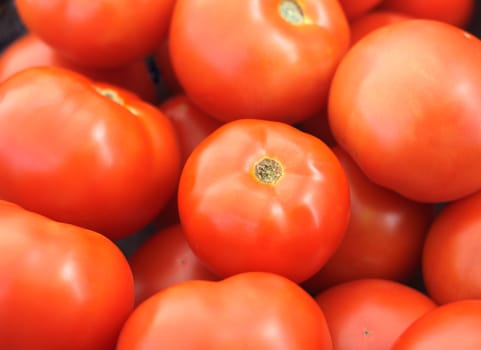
(63, 287)
(454, 325)
(235, 222)
(248, 311)
(29, 51)
(191, 123)
(369, 314)
(393, 130)
(272, 69)
(455, 12)
(165, 259)
(356, 8)
(102, 33)
(373, 20)
(451, 252)
(385, 236)
(71, 154)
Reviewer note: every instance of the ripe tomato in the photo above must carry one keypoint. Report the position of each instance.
(373, 20)
(356, 8)
(451, 326)
(451, 260)
(259, 195)
(29, 51)
(369, 314)
(191, 123)
(101, 33)
(456, 12)
(257, 59)
(411, 124)
(72, 154)
(384, 238)
(253, 310)
(62, 287)
(165, 259)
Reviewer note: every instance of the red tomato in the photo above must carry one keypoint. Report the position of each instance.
(451, 326)
(191, 123)
(70, 153)
(248, 311)
(29, 51)
(451, 260)
(407, 109)
(259, 195)
(456, 12)
(384, 238)
(355, 8)
(373, 20)
(62, 287)
(370, 314)
(163, 260)
(101, 33)
(257, 59)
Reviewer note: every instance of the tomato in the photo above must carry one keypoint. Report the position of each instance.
(100, 33)
(260, 195)
(451, 326)
(456, 12)
(385, 236)
(411, 124)
(191, 123)
(373, 20)
(451, 261)
(247, 311)
(356, 8)
(165, 259)
(77, 156)
(29, 51)
(62, 287)
(270, 60)
(371, 314)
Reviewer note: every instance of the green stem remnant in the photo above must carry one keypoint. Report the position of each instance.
(291, 12)
(268, 171)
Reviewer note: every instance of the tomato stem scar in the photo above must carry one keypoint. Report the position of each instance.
(291, 11)
(268, 171)
(112, 95)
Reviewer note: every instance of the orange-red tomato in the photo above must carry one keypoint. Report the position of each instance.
(456, 12)
(29, 51)
(84, 153)
(252, 310)
(62, 287)
(356, 8)
(191, 123)
(163, 260)
(406, 109)
(373, 20)
(385, 236)
(451, 259)
(259, 195)
(454, 325)
(100, 33)
(369, 314)
(257, 59)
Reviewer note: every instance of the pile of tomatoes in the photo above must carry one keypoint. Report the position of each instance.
(241, 174)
